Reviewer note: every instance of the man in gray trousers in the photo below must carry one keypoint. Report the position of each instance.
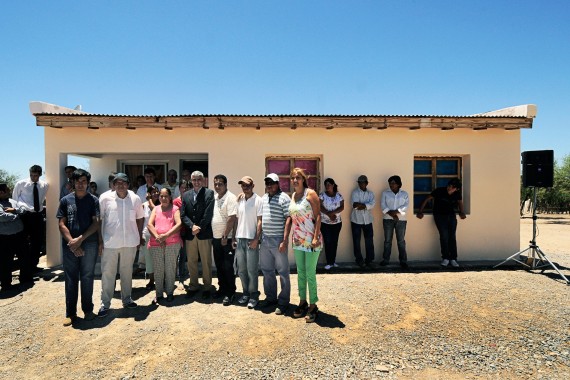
(275, 226)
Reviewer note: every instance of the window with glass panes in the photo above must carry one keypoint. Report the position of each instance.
(430, 173)
(282, 166)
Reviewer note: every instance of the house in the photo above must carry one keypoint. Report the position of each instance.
(483, 150)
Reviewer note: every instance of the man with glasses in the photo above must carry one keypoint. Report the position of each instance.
(395, 203)
(273, 255)
(197, 212)
(246, 243)
(122, 219)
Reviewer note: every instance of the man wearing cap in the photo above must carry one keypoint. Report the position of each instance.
(197, 212)
(246, 244)
(361, 221)
(273, 255)
(31, 195)
(122, 219)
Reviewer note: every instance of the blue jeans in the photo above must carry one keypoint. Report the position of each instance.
(391, 225)
(368, 241)
(447, 226)
(79, 269)
(247, 261)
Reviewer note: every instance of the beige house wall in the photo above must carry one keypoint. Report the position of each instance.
(491, 169)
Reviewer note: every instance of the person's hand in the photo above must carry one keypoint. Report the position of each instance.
(224, 240)
(11, 210)
(75, 243)
(195, 230)
(234, 244)
(100, 248)
(420, 215)
(332, 216)
(462, 215)
(283, 247)
(316, 242)
(253, 243)
(78, 252)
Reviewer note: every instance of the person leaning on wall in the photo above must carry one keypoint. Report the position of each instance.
(445, 201)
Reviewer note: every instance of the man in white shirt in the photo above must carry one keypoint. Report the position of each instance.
(31, 195)
(395, 203)
(361, 221)
(172, 183)
(246, 244)
(149, 177)
(225, 210)
(122, 219)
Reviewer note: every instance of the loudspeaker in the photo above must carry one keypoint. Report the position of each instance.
(538, 168)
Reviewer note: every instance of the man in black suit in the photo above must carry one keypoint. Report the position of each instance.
(197, 212)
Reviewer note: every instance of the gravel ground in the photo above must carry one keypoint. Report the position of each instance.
(426, 323)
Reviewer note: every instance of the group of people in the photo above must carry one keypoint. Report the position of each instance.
(185, 220)
(394, 205)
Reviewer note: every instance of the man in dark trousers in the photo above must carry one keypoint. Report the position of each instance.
(30, 194)
(445, 201)
(197, 213)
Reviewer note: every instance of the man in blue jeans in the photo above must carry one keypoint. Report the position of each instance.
(361, 221)
(78, 216)
(394, 204)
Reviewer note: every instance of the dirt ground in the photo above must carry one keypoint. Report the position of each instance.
(192, 338)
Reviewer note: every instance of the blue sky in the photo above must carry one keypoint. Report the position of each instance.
(283, 57)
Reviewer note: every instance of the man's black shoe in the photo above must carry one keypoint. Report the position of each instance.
(404, 265)
(190, 293)
(384, 263)
(206, 294)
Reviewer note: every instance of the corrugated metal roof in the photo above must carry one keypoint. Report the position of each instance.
(278, 115)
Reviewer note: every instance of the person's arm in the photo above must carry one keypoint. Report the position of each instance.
(355, 201)
(6, 214)
(405, 203)
(420, 213)
(461, 211)
(286, 232)
(371, 202)
(184, 216)
(232, 220)
(255, 242)
(75, 243)
(314, 201)
(150, 225)
(140, 227)
(209, 210)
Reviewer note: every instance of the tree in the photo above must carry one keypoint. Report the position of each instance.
(8, 178)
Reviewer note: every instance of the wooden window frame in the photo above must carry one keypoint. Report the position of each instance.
(292, 159)
(434, 176)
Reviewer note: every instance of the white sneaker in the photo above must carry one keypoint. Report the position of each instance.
(252, 303)
(328, 267)
(445, 263)
(243, 300)
(454, 264)
(335, 265)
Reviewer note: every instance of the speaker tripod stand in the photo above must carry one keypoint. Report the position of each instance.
(536, 259)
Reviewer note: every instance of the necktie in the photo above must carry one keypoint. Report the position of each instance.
(36, 197)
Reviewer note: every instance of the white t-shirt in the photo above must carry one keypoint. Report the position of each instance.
(247, 213)
(224, 207)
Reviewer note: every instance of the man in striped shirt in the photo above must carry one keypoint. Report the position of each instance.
(275, 226)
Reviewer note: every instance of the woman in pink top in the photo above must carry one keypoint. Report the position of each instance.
(164, 226)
